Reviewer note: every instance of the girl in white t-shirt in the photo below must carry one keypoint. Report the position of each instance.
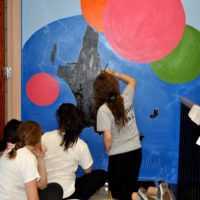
(66, 152)
(22, 168)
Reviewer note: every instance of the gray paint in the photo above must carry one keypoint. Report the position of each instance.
(53, 54)
(81, 75)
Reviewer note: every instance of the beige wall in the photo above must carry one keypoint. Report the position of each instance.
(13, 59)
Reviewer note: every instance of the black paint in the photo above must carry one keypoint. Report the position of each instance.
(81, 75)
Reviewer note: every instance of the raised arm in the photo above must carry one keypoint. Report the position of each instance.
(125, 78)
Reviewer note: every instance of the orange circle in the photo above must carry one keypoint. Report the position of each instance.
(92, 11)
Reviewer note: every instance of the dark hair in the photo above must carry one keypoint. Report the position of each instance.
(70, 124)
(106, 90)
(9, 133)
(28, 133)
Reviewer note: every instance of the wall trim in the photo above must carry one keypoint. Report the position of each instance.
(14, 59)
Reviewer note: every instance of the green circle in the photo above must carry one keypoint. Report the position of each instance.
(183, 63)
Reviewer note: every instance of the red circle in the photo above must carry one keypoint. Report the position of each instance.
(42, 89)
(141, 30)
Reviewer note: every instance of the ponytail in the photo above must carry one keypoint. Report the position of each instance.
(106, 90)
(12, 154)
(28, 133)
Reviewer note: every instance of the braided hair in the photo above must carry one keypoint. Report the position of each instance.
(28, 133)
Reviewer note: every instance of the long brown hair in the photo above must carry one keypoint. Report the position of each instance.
(70, 124)
(28, 133)
(106, 90)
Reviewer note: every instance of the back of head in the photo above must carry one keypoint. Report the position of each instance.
(70, 124)
(10, 130)
(105, 86)
(28, 133)
(106, 90)
(10, 133)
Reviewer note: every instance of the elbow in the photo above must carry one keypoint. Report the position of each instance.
(89, 170)
(41, 187)
(132, 82)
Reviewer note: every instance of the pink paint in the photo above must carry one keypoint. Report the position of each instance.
(143, 30)
(42, 89)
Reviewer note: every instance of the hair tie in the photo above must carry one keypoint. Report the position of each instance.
(112, 72)
(112, 98)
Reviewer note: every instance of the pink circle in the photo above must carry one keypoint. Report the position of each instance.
(141, 30)
(42, 89)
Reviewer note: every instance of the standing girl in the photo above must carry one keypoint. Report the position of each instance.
(115, 117)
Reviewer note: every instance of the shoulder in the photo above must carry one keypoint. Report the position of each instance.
(50, 134)
(24, 151)
(103, 109)
(128, 93)
(81, 142)
(81, 146)
(128, 89)
(24, 155)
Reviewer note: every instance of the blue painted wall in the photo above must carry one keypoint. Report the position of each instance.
(161, 142)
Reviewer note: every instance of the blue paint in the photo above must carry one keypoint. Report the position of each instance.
(161, 142)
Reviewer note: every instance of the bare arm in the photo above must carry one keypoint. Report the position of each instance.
(42, 183)
(88, 170)
(40, 153)
(31, 190)
(107, 139)
(125, 78)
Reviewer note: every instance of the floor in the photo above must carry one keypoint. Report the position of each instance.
(104, 194)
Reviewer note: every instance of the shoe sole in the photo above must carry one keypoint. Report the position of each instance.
(143, 194)
(164, 192)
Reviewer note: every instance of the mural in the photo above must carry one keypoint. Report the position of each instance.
(150, 42)
(182, 64)
(81, 75)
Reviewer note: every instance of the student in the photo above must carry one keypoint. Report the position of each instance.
(66, 151)
(9, 137)
(115, 117)
(22, 168)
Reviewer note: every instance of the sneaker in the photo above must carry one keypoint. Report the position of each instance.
(164, 192)
(144, 195)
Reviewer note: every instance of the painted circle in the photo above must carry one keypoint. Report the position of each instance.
(92, 11)
(42, 89)
(143, 31)
(183, 63)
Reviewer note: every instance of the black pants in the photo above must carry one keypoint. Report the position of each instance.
(53, 191)
(88, 184)
(123, 172)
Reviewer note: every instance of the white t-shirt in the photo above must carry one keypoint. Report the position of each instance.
(62, 165)
(14, 173)
(127, 139)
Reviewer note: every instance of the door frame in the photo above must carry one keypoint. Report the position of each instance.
(2, 64)
(13, 59)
